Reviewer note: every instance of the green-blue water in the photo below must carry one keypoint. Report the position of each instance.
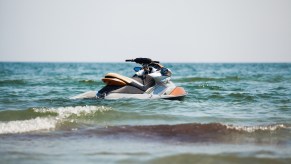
(233, 113)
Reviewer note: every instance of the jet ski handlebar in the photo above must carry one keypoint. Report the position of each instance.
(142, 60)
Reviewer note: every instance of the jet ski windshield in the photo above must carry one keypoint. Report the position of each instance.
(136, 69)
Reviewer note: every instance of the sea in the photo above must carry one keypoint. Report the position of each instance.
(233, 113)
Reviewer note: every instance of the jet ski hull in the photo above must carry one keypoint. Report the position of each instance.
(178, 93)
(144, 96)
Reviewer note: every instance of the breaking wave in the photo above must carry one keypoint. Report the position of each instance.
(194, 132)
(116, 125)
(251, 129)
(45, 118)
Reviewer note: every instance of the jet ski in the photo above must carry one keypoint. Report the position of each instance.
(150, 81)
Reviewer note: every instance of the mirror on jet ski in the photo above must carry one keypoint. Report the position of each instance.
(136, 69)
(166, 72)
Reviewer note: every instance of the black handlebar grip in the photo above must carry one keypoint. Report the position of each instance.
(142, 60)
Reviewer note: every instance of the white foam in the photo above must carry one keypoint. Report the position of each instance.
(49, 122)
(256, 128)
(65, 112)
(27, 125)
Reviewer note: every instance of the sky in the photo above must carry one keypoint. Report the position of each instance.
(164, 30)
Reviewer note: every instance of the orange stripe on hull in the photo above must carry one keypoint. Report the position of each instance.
(178, 91)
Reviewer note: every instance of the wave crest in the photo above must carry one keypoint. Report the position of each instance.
(251, 129)
(49, 122)
(27, 125)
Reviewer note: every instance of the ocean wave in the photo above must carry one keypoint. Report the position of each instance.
(251, 129)
(23, 126)
(12, 82)
(194, 132)
(64, 112)
(188, 132)
(47, 118)
(241, 96)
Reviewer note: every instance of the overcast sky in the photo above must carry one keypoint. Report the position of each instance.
(165, 30)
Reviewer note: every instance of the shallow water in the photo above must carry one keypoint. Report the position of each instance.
(233, 113)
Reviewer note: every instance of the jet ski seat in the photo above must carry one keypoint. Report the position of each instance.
(117, 83)
(125, 79)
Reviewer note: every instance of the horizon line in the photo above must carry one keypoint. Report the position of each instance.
(195, 62)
